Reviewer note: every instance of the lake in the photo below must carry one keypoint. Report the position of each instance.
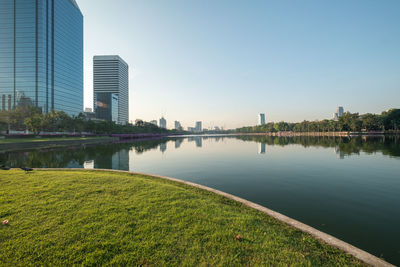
(347, 187)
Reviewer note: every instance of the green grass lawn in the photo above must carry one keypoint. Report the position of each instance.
(28, 140)
(97, 218)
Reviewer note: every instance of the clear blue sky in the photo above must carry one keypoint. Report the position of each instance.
(225, 61)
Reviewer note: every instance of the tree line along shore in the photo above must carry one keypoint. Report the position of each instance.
(386, 122)
(32, 119)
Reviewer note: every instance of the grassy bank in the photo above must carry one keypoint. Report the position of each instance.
(94, 218)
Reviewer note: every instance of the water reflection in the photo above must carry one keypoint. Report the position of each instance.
(339, 153)
(117, 156)
(163, 147)
(197, 139)
(343, 146)
(178, 142)
(261, 148)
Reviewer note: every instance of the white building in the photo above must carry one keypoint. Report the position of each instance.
(111, 88)
(261, 119)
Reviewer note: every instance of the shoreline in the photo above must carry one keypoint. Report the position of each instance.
(317, 134)
(71, 141)
(358, 253)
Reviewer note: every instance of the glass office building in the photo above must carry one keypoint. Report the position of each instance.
(41, 55)
(107, 106)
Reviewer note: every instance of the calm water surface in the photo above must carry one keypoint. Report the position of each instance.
(349, 188)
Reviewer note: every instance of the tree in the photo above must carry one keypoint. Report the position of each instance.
(350, 122)
(281, 126)
(49, 121)
(391, 119)
(371, 122)
(34, 123)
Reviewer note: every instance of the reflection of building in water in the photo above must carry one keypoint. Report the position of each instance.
(117, 161)
(339, 153)
(261, 148)
(88, 164)
(163, 147)
(197, 139)
(120, 160)
(199, 142)
(178, 142)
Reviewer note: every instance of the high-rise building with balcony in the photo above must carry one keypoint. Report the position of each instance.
(111, 88)
(41, 55)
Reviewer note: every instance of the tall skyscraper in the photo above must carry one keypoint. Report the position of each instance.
(41, 55)
(163, 123)
(111, 88)
(261, 119)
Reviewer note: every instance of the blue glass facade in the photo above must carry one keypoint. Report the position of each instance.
(107, 106)
(41, 55)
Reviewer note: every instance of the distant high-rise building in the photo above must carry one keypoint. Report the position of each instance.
(198, 127)
(178, 126)
(41, 55)
(340, 111)
(154, 122)
(163, 123)
(111, 88)
(261, 119)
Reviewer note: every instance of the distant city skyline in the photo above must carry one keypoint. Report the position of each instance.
(294, 61)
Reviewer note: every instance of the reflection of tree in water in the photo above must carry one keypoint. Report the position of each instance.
(105, 156)
(116, 156)
(386, 145)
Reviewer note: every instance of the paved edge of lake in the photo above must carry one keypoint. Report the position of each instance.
(328, 239)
